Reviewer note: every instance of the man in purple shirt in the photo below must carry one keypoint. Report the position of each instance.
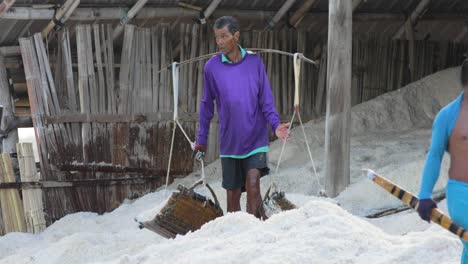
(238, 82)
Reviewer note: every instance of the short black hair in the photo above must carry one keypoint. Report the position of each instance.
(464, 72)
(229, 21)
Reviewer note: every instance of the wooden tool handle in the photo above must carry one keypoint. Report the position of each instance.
(412, 201)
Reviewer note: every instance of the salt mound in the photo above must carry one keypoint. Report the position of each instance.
(319, 232)
(412, 106)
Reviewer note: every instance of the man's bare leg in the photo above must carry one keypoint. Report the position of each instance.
(254, 197)
(233, 200)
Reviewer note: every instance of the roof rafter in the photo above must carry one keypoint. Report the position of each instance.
(128, 16)
(417, 13)
(283, 10)
(5, 5)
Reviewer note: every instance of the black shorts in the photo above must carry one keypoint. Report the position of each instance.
(235, 170)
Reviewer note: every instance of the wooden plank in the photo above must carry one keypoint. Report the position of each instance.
(83, 89)
(191, 85)
(124, 86)
(322, 83)
(12, 208)
(338, 117)
(101, 87)
(110, 72)
(156, 62)
(32, 79)
(32, 198)
(148, 100)
(163, 98)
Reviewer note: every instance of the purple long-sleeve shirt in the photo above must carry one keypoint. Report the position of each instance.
(244, 102)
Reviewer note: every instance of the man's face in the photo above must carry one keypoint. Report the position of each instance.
(226, 41)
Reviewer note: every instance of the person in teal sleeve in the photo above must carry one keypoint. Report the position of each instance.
(238, 82)
(449, 134)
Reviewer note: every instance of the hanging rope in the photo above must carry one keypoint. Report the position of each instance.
(175, 87)
(297, 72)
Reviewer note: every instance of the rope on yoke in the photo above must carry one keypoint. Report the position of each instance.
(297, 57)
(175, 86)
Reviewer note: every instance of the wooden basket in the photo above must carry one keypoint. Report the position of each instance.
(185, 211)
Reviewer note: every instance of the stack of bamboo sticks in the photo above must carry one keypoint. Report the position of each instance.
(12, 208)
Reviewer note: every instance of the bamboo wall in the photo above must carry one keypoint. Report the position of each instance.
(103, 109)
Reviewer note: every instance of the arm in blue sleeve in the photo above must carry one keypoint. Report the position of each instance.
(206, 109)
(434, 157)
(267, 102)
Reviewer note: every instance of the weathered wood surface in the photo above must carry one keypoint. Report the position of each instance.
(338, 117)
(32, 198)
(7, 144)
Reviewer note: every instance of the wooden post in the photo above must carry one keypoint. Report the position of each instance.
(32, 198)
(8, 145)
(338, 117)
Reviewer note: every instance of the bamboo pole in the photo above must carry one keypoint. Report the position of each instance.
(284, 8)
(419, 11)
(127, 17)
(209, 10)
(409, 199)
(12, 208)
(61, 16)
(5, 6)
(297, 17)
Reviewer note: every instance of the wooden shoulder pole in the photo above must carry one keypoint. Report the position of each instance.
(409, 199)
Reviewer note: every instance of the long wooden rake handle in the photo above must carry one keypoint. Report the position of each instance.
(409, 199)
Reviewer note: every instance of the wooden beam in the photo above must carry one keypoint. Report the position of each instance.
(113, 13)
(10, 51)
(147, 118)
(98, 167)
(356, 3)
(209, 11)
(284, 8)
(338, 116)
(297, 17)
(62, 15)
(127, 17)
(190, 6)
(461, 35)
(5, 6)
(414, 17)
(76, 183)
